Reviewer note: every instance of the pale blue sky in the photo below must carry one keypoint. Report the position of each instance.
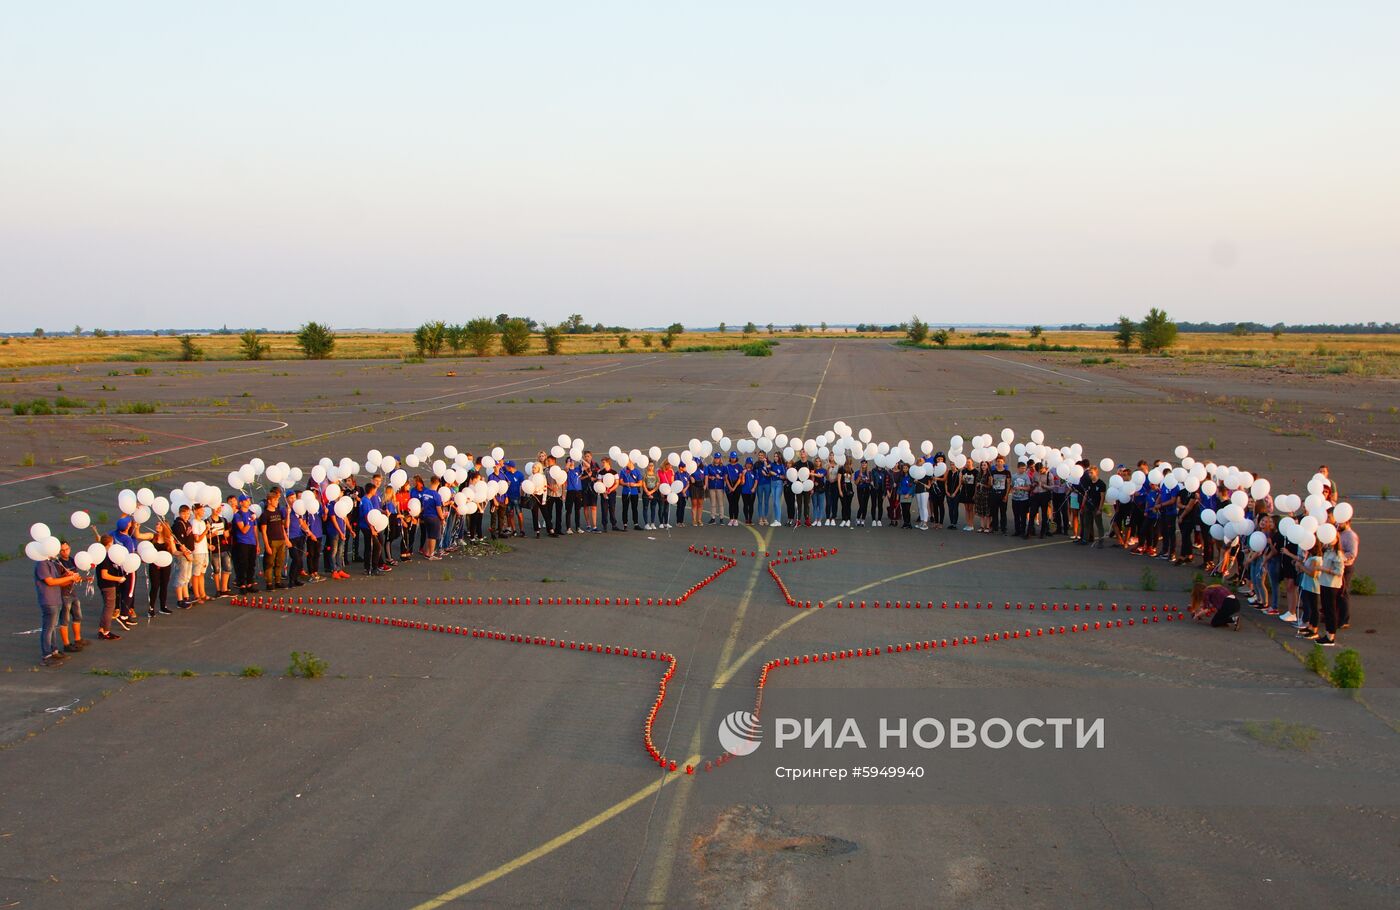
(374, 164)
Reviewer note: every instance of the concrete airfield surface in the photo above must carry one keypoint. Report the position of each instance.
(436, 769)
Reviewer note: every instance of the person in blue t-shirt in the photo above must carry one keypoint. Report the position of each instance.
(514, 517)
(245, 545)
(373, 540)
(732, 474)
(573, 497)
(1166, 521)
(630, 479)
(748, 488)
(714, 486)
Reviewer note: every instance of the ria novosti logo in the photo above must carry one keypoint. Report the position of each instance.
(740, 733)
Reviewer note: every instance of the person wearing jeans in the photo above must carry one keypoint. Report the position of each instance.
(51, 579)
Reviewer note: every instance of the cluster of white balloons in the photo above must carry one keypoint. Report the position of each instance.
(841, 443)
(45, 545)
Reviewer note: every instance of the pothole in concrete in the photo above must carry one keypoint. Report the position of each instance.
(748, 859)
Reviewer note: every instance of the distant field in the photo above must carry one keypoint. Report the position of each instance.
(1362, 355)
(30, 352)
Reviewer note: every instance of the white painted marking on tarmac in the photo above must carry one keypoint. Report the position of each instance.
(1359, 449)
(1031, 366)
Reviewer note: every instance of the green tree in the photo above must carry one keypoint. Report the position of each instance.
(502, 319)
(799, 328)
(481, 335)
(1277, 330)
(456, 336)
(99, 333)
(623, 339)
(1240, 330)
(668, 340)
(553, 339)
(77, 330)
(941, 337)
(823, 326)
(316, 341)
(771, 330)
(1037, 331)
(429, 338)
(38, 333)
(675, 328)
(252, 346)
(574, 324)
(189, 350)
(1126, 332)
(1157, 332)
(723, 327)
(515, 337)
(917, 330)
(750, 328)
(647, 339)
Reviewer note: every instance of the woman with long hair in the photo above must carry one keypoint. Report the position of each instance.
(1215, 604)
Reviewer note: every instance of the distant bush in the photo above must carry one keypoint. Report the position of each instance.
(38, 408)
(757, 349)
(136, 407)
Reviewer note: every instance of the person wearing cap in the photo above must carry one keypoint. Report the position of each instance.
(630, 479)
(733, 477)
(696, 487)
(245, 544)
(129, 535)
(748, 489)
(714, 484)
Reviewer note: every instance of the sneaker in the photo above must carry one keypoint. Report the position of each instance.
(1328, 642)
(80, 643)
(72, 648)
(49, 661)
(108, 636)
(166, 610)
(1288, 617)
(126, 627)
(967, 527)
(1272, 611)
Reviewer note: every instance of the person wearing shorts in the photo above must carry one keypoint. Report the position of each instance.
(70, 618)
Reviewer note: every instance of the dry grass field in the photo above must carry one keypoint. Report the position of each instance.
(1321, 354)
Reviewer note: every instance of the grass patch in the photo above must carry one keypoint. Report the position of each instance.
(1316, 661)
(1007, 391)
(252, 671)
(38, 407)
(1148, 580)
(136, 407)
(1347, 672)
(758, 349)
(1363, 585)
(307, 665)
(1282, 735)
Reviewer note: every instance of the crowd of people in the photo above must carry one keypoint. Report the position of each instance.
(209, 549)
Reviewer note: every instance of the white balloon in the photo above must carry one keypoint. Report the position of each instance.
(96, 553)
(164, 558)
(1342, 512)
(1037, 437)
(161, 506)
(126, 501)
(82, 561)
(132, 563)
(39, 531)
(50, 546)
(1327, 534)
(343, 506)
(35, 550)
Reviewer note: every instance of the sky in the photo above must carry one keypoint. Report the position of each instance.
(258, 164)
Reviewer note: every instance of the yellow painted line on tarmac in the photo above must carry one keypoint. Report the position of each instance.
(728, 673)
(553, 844)
(665, 854)
(659, 878)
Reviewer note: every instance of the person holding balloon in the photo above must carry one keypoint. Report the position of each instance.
(51, 579)
(70, 617)
(110, 577)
